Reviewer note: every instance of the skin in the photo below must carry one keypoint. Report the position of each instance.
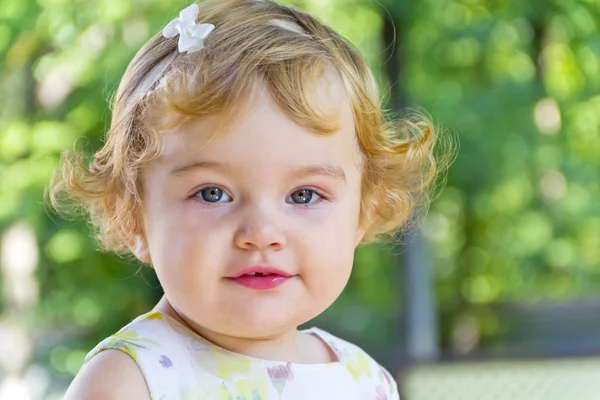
(260, 162)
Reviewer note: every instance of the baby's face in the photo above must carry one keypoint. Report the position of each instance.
(266, 193)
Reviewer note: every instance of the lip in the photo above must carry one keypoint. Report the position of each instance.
(260, 269)
(268, 277)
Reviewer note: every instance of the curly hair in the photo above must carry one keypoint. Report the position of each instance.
(255, 40)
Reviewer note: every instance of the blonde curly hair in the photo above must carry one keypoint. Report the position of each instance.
(254, 40)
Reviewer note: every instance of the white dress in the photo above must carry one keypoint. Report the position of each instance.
(177, 363)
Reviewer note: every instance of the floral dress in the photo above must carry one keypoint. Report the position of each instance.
(177, 363)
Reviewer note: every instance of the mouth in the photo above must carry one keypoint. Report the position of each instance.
(261, 278)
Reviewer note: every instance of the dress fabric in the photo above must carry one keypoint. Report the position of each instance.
(177, 363)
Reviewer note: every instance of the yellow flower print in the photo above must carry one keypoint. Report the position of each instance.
(359, 366)
(154, 315)
(261, 386)
(224, 394)
(127, 341)
(251, 389)
(228, 367)
(244, 389)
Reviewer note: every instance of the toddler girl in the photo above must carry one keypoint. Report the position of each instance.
(246, 160)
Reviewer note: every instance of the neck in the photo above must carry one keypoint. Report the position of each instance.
(291, 346)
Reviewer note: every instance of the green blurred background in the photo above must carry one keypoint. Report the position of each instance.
(504, 269)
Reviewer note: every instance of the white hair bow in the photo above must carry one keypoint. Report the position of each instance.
(191, 36)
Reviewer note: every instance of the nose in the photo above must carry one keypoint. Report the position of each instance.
(259, 231)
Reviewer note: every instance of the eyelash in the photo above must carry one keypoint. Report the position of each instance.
(196, 198)
(322, 197)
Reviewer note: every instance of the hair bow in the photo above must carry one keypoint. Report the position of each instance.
(191, 36)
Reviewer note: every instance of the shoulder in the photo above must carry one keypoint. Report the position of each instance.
(361, 365)
(122, 363)
(391, 387)
(111, 374)
(346, 351)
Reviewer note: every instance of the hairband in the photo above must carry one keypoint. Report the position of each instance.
(191, 35)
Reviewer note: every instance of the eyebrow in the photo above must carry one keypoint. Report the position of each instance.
(187, 168)
(328, 170)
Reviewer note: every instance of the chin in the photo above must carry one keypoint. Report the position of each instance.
(262, 332)
(255, 324)
(270, 321)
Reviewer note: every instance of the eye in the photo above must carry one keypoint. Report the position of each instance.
(304, 196)
(212, 194)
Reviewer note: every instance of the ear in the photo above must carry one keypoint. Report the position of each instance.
(139, 248)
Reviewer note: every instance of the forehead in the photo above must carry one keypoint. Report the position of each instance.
(261, 131)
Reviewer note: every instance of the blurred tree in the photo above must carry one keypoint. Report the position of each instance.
(518, 222)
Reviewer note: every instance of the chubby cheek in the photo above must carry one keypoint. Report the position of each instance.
(182, 237)
(326, 249)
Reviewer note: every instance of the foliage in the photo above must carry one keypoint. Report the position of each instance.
(519, 221)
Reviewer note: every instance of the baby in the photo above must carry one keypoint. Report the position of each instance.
(246, 160)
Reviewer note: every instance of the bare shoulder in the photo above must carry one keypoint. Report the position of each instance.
(111, 374)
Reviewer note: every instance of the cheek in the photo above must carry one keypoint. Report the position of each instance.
(329, 236)
(343, 222)
(183, 232)
(187, 252)
(327, 226)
